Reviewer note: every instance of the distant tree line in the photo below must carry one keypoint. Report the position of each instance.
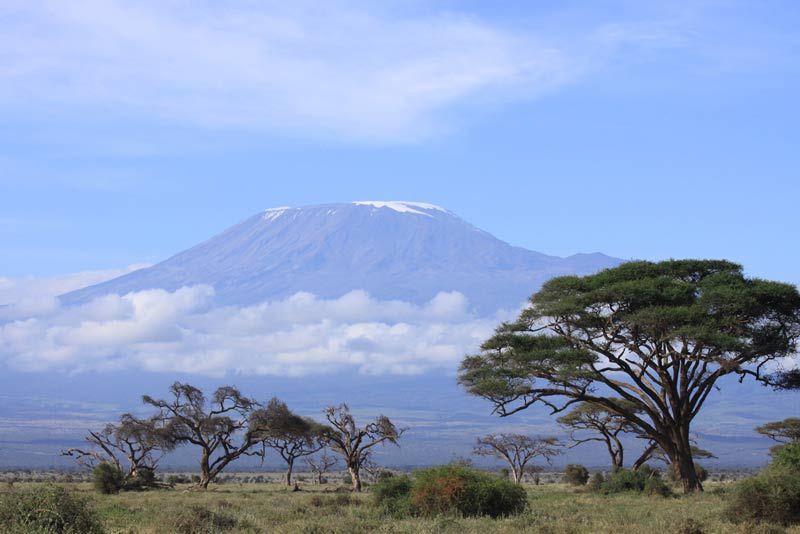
(228, 426)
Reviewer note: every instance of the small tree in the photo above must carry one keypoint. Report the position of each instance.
(517, 450)
(658, 335)
(319, 465)
(595, 422)
(133, 446)
(290, 435)
(224, 428)
(354, 443)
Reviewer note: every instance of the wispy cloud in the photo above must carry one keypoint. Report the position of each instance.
(327, 68)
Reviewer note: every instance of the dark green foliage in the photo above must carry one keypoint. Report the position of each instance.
(393, 495)
(593, 339)
(597, 481)
(457, 490)
(787, 457)
(107, 478)
(144, 479)
(773, 496)
(643, 480)
(199, 520)
(576, 475)
(45, 510)
(451, 490)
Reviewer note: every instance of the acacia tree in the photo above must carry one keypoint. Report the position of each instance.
(601, 424)
(290, 435)
(319, 465)
(657, 335)
(517, 450)
(225, 427)
(354, 443)
(133, 446)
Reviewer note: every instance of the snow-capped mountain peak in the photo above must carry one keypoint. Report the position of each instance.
(402, 206)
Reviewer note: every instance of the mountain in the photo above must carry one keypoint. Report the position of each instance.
(394, 250)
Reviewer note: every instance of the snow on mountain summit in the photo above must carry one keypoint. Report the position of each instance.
(402, 206)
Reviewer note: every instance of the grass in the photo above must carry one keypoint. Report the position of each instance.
(271, 508)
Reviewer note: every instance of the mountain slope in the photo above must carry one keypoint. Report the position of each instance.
(394, 250)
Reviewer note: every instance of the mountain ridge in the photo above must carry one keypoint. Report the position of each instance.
(395, 250)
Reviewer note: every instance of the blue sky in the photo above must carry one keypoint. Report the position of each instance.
(132, 131)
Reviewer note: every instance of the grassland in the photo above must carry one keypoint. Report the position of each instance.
(272, 508)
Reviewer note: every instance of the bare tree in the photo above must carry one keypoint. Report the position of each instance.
(319, 465)
(517, 450)
(290, 435)
(595, 422)
(224, 428)
(133, 445)
(353, 443)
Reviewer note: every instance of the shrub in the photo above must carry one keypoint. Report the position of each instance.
(393, 495)
(643, 480)
(773, 496)
(456, 489)
(596, 482)
(674, 474)
(48, 509)
(576, 475)
(107, 478)
(787, 457)
(145, 478)
(198, 520)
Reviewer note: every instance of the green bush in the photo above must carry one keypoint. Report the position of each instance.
(393, 495)
(597, 481)
(450, 490)
(787, 457)
(643, 480)
(45, 510)
(455, 489)
(198, 520)
(182, 479)
(576, 475)
(145, 478)
(674, 474)
(773, 496)
(107, 478)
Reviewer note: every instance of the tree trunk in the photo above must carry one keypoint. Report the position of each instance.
(517, 474)
(355, 475)
(682, 457)
(648, 452)
(205, 471)
(290, 466)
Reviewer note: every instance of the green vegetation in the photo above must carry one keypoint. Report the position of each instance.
(451, 490)
(45, 509)
(643, 480)
(273, 508)
(658, 336)
(107, 478)
(576, 475)
(774, 494)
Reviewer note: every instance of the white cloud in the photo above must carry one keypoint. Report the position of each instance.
(332, 68)
(182, 331)
(32, 295)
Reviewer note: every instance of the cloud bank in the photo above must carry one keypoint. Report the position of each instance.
(184, 331)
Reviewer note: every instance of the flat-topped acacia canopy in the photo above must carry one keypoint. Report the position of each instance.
(657, 335)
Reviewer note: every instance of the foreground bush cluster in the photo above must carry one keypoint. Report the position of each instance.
(450, 490)
(774, 494)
